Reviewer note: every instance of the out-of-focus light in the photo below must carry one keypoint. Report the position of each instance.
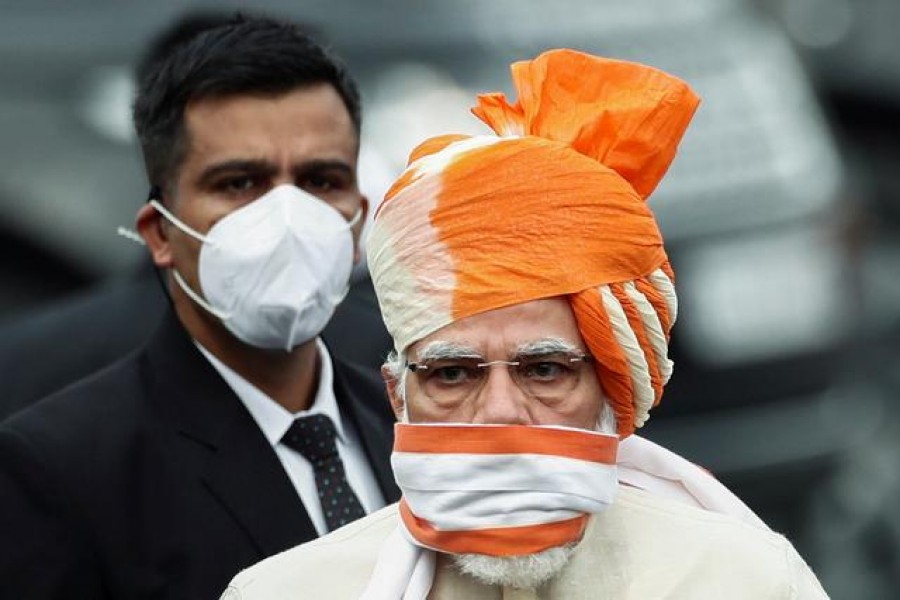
(411, 102)
(816, 23)
(375, 177)
(758, 152)
(106, 103)
(762, 297)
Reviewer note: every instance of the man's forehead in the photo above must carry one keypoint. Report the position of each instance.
(285, 130)
(315, 110)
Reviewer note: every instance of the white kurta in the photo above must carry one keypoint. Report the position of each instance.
(643, 547)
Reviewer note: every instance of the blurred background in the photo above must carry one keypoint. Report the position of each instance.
(781, 211)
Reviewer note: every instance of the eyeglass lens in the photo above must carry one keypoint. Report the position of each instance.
(545, 376)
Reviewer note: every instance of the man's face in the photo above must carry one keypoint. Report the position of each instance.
(240, 147)
(506, 395)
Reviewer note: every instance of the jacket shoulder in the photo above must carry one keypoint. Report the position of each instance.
(101, 400)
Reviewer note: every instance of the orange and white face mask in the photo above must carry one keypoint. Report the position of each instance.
(500, 490)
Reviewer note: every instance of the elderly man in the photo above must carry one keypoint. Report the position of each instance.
(525, 283)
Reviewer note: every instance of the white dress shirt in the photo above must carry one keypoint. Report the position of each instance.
(274, 421)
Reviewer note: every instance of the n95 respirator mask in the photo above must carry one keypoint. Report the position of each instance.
(274, 270)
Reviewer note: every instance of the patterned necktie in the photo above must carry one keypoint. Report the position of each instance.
(314, 438)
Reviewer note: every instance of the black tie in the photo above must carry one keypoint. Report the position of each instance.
(314, 438)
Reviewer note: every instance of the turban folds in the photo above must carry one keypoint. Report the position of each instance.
(553, 205)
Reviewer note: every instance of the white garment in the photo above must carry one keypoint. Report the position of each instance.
(274, 421)
(641, 464)
(642, 548)
(648, 466)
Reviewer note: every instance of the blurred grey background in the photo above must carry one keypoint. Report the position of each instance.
(781, 211)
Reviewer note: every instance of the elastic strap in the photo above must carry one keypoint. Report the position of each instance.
(222, 315)
(177, 222)
(355, 218)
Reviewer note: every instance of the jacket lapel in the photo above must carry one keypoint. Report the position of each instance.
(238, 467)
(247, 477)
(362, 398)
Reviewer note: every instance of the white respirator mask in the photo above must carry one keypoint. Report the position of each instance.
(274, 270)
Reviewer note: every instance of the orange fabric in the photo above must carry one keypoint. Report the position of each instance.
(658, 303)
(506, 440)
(637, 326)
(435, 144)
(667, 269)
(426, 148)
(405, 179)
(527, 218)
(610, 361)
(497, 541)
(627, 116)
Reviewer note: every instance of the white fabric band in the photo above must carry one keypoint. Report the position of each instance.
(469, 492)
(637, 363)
(405, 571)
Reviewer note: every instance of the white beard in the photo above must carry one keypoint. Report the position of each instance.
(526, 572)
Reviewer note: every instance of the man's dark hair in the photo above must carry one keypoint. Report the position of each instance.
(219, 58)
(178, 32)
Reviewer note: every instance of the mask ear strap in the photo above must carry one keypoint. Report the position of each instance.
(176, 221)
(221, 315)
(355, 218)
(155, 193)
(131, 234)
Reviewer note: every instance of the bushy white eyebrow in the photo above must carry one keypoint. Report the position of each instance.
(443, 350)
(548, 346)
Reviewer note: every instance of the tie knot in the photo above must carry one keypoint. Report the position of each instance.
(313, 437)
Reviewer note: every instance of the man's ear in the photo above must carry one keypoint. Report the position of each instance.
(357, 229)
(151, 226)
(392, 384)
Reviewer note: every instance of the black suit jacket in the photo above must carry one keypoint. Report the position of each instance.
(44, 350)
(151, 480)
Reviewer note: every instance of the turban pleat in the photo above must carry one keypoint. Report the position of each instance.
(637, 325)
(610, 360)
(654, 334)
(656, 299)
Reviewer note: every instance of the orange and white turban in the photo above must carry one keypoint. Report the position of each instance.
(553, 205)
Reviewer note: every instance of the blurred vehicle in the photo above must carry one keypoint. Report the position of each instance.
(851, 51)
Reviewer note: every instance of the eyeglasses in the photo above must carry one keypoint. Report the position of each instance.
(546, 377)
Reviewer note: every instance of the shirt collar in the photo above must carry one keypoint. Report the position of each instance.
(272, 418)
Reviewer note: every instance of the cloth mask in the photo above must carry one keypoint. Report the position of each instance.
(501, 490)
(406, 564)
(273, 271)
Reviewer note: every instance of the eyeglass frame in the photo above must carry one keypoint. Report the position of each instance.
(484, 366)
